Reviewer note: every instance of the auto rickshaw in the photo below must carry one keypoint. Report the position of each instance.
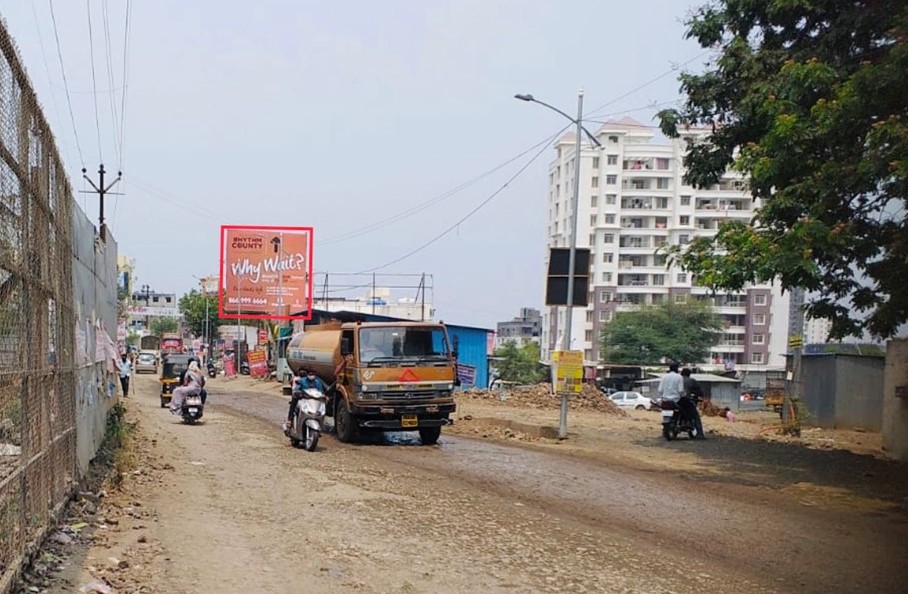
(174, 367)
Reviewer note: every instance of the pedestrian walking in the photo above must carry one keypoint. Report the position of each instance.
(125, 368)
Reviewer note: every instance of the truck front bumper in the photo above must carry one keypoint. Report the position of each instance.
(393, 416)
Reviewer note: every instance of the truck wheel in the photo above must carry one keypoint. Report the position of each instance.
(429, 435)
(344, 423)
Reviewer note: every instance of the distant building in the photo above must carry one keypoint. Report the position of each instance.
(816, 330)
(378, 302)
(633, 204)
(527, 327)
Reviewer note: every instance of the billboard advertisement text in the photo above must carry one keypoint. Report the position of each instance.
(265, 272)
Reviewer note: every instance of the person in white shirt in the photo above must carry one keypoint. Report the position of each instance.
(125, 367)
(671, 386)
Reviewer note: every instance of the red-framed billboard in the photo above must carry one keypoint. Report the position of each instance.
(265, 273)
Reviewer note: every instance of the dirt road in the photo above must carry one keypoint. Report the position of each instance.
(228, 506)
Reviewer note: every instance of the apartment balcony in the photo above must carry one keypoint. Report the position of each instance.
(727, 348)
(730, 310)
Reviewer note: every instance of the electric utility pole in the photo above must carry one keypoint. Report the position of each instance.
(101, 190)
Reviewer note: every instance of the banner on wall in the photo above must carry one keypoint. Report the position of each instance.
(265, 273)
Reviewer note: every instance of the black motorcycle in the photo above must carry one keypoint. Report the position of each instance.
(676, 419)
(212, 370)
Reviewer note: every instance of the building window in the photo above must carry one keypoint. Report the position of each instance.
(589, 317)
(588, 355)
(682, 277)
(662, 183)
(605, 296)
(759, 319)
(607, 258)
(595, 162)
(658, 280)
(613, 139)
(683, 239)
(611, 180)
(605, 316)
(606, 277)
(594, 201)
(760, 299)
(685, 200)
(759, 338)
(588, 336)
(756, 358)
(661, 163)
(612, 159)
(609, 219)
(610, 198)
(593, 220)
(608, 238)
(684, 220)
(595, 181)
(681, 298)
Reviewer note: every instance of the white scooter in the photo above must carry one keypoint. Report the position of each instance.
(308, 420)
(192, 409)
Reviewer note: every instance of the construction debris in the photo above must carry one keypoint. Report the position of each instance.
(540, 397)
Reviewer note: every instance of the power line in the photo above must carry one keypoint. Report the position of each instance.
(469, 214)
(441, 197)
(110, 76)
(94, 84)
(50, 81)
(72, 118)
(674, 68)
(126, 37)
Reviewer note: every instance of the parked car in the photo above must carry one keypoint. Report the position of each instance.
(634, 400)
(147, 361)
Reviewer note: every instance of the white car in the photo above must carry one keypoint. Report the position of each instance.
(147, 361)
(634, 400)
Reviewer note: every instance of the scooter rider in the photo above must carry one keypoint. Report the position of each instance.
(688, 403)
(305, 381)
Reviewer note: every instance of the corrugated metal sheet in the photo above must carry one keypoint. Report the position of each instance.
(472, 350)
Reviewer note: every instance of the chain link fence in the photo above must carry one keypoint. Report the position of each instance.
(39, 322)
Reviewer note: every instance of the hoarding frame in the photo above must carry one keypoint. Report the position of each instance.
(222, 276)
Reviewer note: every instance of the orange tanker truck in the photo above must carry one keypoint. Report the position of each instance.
(395, 376)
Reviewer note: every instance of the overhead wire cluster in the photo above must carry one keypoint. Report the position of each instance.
(117, 105)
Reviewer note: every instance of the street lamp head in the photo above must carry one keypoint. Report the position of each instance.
(523, 97)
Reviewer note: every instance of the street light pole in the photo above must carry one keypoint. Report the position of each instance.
(572, 254)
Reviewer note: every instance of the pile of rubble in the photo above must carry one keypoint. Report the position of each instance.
(540, 396)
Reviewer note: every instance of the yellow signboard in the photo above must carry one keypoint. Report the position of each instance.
(795, 341)
(568, 371)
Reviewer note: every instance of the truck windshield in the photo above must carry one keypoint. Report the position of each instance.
(421, 343)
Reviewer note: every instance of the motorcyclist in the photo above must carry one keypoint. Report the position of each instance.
(688, 402)
(304, 381)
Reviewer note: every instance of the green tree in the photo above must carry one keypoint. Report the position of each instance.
(519, 364)
(807, 99)
(193, 307)
(681, 332)
(159, 326)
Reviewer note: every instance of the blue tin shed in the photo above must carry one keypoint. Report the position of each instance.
(472, 343)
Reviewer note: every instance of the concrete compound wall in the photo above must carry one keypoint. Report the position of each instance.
(95, 304)
(895, 400)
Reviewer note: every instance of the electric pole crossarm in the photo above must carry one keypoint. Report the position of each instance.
(101, 190)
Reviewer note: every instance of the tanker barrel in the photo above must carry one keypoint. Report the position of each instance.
(318, 350)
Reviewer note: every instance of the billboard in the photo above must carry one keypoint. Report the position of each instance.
(265, 273)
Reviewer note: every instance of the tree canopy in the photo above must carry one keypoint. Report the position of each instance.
(519, 364)
(159, 326)
(680, 332)
(809, 100)
(192, 306)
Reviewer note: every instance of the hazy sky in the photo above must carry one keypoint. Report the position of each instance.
(339, 115)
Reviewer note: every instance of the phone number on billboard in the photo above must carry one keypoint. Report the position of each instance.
(246, 301)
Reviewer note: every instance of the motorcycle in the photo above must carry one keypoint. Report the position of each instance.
(308, 420)
(212, 369)
(192, 409)
(676, 420)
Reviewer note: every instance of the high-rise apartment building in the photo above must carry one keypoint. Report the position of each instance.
(527, 327)
(633, 201)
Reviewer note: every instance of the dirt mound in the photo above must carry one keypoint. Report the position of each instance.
(540, 396)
